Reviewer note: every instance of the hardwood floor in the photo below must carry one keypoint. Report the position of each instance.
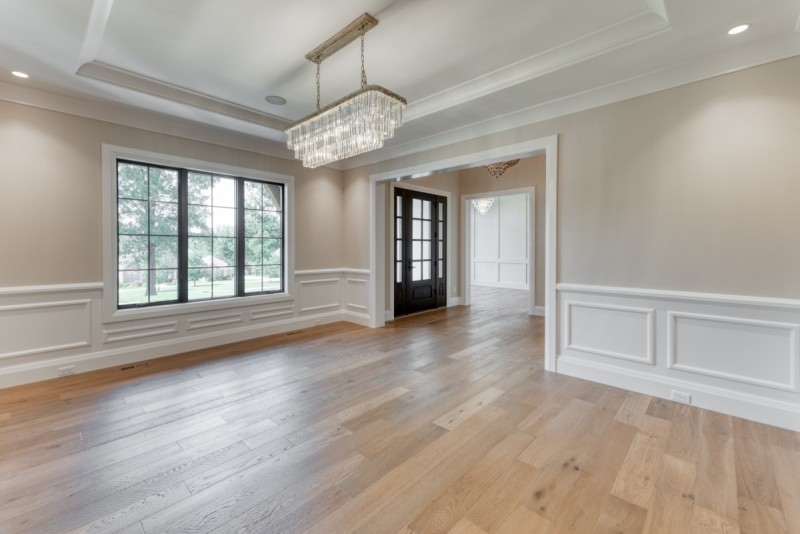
(440, 422)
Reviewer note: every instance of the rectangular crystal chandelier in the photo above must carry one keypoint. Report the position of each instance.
(352, 125)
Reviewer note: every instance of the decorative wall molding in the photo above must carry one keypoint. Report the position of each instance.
(734, 354)
(54, 288)
(53, 325)
(768, 337)
(198, 323)
(605, 328)
(128, 333)
(45, 327)
(266, 313)
(692, 296)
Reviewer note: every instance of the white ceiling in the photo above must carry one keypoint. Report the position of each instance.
(466, 67)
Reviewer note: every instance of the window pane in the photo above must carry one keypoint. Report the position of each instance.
(253, 221)
(399, 254)
(252, 252)
(441, 269)
(272, 224)
(441, 249)
(441, 230)
(132, 181)
(163, 184)
(223, 282)
(399, 272)
(252, 195)
(199, 189)
(166, 285)
(224, 222)
(426, 270)
(272, 251)
(132, 287)
(199, 284)
(224, 192)
(272, 197)
(252, 279)
(416, 273)
(426, 250)
(132, 217)
(199, 220)
(199, 252)
(224, 252)
(165, 251)
(398, 209)
(416, 229)
(163, 218)
(426, 230)
(272, 277)
(399, 229)
(416, 250)
(416, 208)
(426, 209)
(132, 252)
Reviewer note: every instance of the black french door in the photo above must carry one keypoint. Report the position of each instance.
(420, 240)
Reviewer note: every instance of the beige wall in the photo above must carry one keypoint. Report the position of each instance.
(529, 172)
(50, 195)
(694, 188)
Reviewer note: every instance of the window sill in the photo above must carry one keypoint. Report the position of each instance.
(132, 314)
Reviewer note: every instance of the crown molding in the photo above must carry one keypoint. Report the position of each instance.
(126, 79)
(623, 33)
(706, 67)
(143, 119)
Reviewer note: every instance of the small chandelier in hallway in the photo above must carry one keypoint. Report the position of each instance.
(483, 205)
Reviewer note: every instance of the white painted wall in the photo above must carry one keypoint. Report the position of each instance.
(500, 243)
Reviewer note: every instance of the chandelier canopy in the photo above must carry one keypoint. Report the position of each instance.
(352, 125)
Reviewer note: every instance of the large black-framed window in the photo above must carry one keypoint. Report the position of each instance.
(186, 235)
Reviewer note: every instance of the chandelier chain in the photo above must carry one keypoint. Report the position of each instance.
(363, 70)
(319, 64)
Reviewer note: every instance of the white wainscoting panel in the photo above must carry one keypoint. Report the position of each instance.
(356, 293)
(746, 350)
(734, 354)
(620, 332)
(45, 327)
(316, 295)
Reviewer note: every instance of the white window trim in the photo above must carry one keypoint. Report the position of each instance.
(111, 314)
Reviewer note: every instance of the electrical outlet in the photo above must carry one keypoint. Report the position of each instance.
(66, 371)
(681, 396)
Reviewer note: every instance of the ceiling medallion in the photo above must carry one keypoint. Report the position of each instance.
(354, 124)
(497, 169)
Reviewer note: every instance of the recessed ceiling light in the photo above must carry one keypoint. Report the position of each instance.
(19, 74)
(276, 100)
(738, 29)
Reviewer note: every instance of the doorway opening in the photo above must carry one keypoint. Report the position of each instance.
(500, 247)
(381, 241)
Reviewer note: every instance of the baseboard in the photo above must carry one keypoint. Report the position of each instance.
(92, 361)
(731, 402)
(454, 301)
(539, 311)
